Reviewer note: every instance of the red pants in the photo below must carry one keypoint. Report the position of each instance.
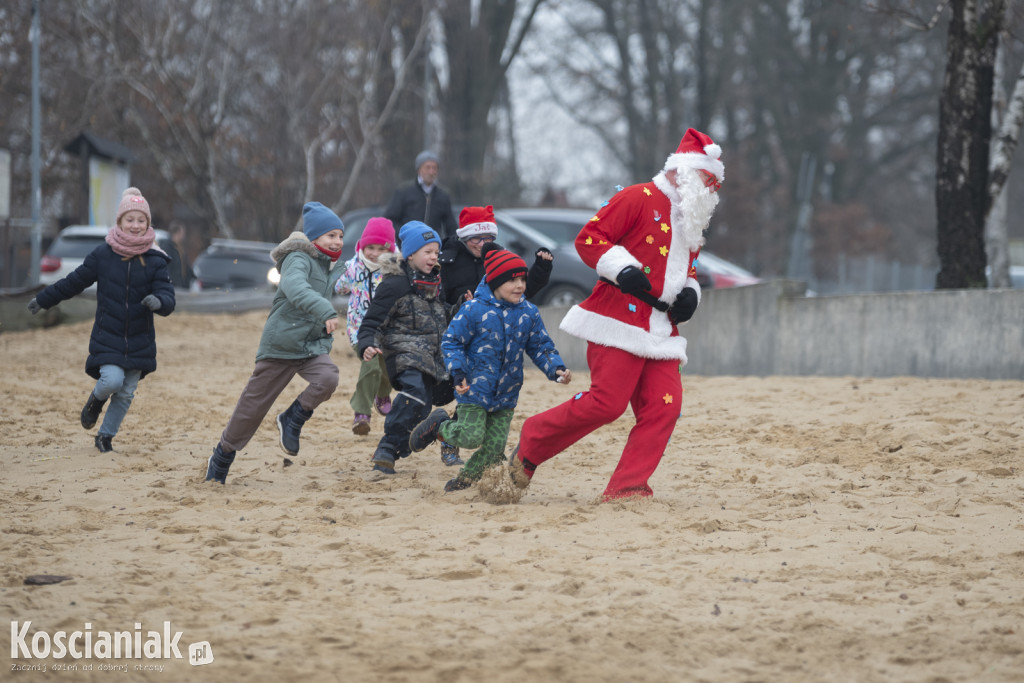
(617, 379)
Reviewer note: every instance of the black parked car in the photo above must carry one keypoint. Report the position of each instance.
(236, 264)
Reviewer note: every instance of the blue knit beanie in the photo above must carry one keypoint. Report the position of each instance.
(318, 220)
(415, 235)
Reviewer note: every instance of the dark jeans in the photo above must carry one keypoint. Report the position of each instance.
(410, 407)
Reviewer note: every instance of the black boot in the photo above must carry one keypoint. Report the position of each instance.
(290, 424)
(218, 465)
(103, 444)
(91, 411)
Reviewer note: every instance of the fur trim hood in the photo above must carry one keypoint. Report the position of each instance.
(297, 241)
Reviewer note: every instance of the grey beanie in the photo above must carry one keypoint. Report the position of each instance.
(425, 156)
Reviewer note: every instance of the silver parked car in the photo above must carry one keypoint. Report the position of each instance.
(571, 279)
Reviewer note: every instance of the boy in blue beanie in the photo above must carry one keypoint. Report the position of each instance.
(405, 322)
(296, 339)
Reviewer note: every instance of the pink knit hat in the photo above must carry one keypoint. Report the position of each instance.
(132, 200)
(377, 231)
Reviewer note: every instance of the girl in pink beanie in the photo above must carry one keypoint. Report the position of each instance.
(361, 277)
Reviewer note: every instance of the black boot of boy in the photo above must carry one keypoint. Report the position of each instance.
(103, 444)
(218, 465)
(290, 425)
(91, 411)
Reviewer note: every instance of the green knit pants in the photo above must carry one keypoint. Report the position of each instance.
(474, 427)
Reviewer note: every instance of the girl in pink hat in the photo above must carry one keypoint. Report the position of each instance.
(361, 277)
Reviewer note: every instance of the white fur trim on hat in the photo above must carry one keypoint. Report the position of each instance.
(474, 229)
(709, 161)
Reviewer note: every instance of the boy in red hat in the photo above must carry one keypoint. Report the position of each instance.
(483, 352)
(642, 243)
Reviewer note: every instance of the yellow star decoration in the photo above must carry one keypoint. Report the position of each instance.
(667, 398)
(650, 239)
(664, 251)
(588, 241)
(594, 219)
(665, 227)
(602, 242)
(647, 191)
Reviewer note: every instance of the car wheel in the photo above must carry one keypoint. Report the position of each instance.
(563, 295)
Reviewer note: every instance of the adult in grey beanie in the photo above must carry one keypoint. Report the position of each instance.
(423, 199)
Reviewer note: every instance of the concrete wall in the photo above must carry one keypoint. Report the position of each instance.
(772, 329)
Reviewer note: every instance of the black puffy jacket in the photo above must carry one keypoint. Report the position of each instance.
(123, 332)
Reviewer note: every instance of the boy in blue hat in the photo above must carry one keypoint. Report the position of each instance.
(296, 339)
(406, 321)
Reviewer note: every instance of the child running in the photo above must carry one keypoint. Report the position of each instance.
(483, 351)
(296, 340)
(360, 279)
(132, 283)
(405, 323)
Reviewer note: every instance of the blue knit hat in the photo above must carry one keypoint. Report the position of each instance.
(318, 220)
(415, 235)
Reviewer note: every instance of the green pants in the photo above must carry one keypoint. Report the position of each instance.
(372, 383)
(474, 427)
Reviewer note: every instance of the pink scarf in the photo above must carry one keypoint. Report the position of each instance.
(127, 245)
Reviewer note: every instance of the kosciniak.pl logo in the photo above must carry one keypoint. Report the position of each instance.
(104, 644)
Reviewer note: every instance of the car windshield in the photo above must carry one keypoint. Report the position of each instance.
(74, 246)
(562, 232)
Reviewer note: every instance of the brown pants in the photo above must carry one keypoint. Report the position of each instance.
(268, 380)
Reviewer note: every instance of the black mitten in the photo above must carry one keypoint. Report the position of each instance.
(632, 280)
(34, 307)
(683, 307)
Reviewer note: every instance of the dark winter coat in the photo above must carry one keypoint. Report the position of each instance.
(461, 272)
(295, 328)
(410, 203)
(123, 332)
(406, 321)
(487, 340)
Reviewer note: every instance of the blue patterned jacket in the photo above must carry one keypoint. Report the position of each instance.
(487, 340)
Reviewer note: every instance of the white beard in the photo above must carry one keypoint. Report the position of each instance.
(692, 208)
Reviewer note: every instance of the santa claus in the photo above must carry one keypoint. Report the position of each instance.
(642, 243)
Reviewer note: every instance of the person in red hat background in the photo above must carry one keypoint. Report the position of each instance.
(642, 243)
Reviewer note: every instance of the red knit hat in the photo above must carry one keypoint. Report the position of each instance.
(476, 220)
(501, 265)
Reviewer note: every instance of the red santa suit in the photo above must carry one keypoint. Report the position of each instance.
(634, 350)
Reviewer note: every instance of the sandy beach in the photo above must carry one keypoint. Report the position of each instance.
(802, 529)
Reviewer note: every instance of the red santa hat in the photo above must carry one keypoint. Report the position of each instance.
(476, 220)
(698, 152)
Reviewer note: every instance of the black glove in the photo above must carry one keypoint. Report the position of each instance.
(632, 280)
(151, 302)
(34, 307)
(683, 307)
(458, 376)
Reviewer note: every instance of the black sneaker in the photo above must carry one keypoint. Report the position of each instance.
(425, 433)
(457, 484)
(103, 444)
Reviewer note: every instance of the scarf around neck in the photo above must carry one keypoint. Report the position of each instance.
(127, 245)
(370, 265)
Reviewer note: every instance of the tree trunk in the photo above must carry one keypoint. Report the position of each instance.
(965, 130)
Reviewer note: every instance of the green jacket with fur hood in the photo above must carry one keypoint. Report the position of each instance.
(295, 327)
